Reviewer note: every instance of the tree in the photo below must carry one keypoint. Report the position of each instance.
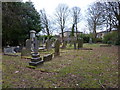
(18, 19)
(95, 17)
(76, 17)
(115, 8)
(45, 21)
(110, 19)
(61, 17)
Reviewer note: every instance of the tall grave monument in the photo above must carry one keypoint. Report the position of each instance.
(36, 59)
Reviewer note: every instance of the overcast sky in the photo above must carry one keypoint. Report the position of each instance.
(50, 5)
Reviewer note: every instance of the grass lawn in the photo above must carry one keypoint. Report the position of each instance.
(97, 68)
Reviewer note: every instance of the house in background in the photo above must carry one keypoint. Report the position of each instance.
(68, 33)
(103, 33)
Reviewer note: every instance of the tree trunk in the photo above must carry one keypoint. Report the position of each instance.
(62, 34)
(76, 32)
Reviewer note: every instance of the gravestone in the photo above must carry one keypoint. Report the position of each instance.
(47, 57)
(28, 44)
(25, 52)
(64, 44)
(28, 47)
(36, 59)
(74, 45)
(74, 40)
(8, 50)
(90, 41)
(80, 43)
(48, 44)
(57, 48)
(17, 49)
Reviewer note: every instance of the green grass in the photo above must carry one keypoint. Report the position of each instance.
(72, 69)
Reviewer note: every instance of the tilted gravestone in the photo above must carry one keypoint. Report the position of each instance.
(80, 43)
(48, 44)
(57, 48)
(8, 50)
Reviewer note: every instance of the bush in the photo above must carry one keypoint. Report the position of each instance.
(85, 37)
(111, 38)
(98, 40)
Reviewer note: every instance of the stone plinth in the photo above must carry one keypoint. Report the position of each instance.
(47, 57)
(36, 59)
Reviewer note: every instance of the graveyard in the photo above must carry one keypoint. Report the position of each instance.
(72, 46)
(96, 68)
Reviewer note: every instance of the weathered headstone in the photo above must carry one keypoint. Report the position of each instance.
(9, 50)
(28, 44)
(57, 48)
(25, 52)
(90, 40)
(17, 49)
(48, 44)
(74, 45)
(28, 47)
(80, 43)
(64, 44)
(36, 45)
(36, 59)
(74, 40)
(47, 57)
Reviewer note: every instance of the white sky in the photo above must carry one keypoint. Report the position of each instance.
(50, 5)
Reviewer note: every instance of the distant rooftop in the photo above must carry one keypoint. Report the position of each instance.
(70, 31)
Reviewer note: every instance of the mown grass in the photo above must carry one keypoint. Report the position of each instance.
(72, 69)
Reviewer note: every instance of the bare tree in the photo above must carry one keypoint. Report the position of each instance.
(61, 17)
(76, 17)
(110, 19)
(45, 22)
(95, 17)
(115, 8)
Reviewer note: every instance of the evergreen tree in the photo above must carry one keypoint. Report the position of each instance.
(18, 19)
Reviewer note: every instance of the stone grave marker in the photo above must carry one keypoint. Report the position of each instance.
(48, 44)
(90, 41)
(57, 48)
(25, 52)
(28, 47)
(36, 45)
(74, 40)
(8, 50)
(64, 44)
(36, 59)
(47, 57)
(80, 43)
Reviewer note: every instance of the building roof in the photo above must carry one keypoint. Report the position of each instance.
(70, 31)
(106, 31)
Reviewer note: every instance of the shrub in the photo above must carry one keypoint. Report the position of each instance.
(85, 37)
(99, 40)
(111, 38)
